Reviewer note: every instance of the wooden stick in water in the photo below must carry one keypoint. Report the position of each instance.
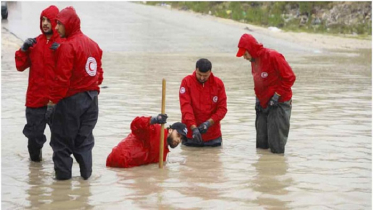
(161, 141)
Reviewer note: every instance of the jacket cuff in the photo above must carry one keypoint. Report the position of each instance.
(215, 119)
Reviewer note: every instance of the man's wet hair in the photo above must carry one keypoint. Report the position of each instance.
(203, 65)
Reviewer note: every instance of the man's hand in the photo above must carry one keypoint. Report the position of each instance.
(28, 43)
(159, 119)
(204, 127)
(274, 100)
(197, 135)
(49, 113)
(55, 46)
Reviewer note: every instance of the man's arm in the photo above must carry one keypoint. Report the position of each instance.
(22, 60)
(22, 55)
(286, 73)
(221, 110)
(63, 70)
(100, 71)
(140, 127)
(186, 106)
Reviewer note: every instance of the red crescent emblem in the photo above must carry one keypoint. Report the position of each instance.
(90, 68)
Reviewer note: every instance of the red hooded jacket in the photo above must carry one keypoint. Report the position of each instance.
(200, 102)
(41, 61)
(78, 66)
(140, 147)
(270, 71)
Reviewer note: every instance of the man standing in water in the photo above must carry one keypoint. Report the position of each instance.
(141, 146)
(75, 93)
(273, 79)
(36, 55)
(203, 105)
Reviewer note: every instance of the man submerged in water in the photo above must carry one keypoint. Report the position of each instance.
(141, 146)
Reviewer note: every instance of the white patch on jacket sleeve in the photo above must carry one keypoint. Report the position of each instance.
(182, 90)
(264, 74)
(91, 66)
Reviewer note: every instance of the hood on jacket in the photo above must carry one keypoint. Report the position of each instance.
(70, 20)
(51, 13)
(249, 43)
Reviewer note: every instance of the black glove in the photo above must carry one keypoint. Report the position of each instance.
(197, 135)
(258, 108)
(54, 46)
(159, 119)
(204, 126)
(49, 114)
(274, 100)
(28, 43)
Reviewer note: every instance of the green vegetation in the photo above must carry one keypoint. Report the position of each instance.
(316, 17)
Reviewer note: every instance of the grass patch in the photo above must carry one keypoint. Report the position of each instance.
(289, 16)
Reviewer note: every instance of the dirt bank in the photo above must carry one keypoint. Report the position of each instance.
(328, 42)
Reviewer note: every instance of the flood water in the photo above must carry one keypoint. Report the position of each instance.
(327, 164)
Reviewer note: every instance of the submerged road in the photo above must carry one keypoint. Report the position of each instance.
(327, 164)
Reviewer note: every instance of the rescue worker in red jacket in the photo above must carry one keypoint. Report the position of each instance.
(75, 92)
(141, 146)
(203, 105)
(273, 79)
(36, 55)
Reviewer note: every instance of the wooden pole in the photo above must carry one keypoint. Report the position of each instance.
(161, 141)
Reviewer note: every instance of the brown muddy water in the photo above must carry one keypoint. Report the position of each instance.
(327, 164)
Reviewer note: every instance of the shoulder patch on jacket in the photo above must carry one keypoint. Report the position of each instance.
(91, 66)
(182, 90)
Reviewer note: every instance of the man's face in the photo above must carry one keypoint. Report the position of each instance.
(60, 28)
(173, 138)
(46, 25)
(248, 57)
(201, 76)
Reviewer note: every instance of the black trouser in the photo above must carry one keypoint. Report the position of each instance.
(34, 131)
(272, 127)
(213, 143)
(73, 122)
